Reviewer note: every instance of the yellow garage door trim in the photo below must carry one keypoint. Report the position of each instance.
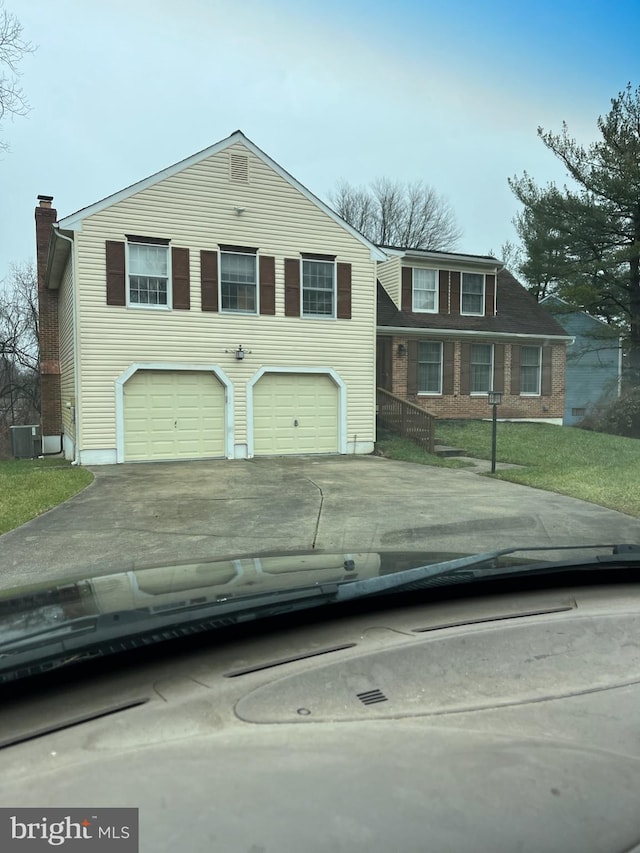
(173, 415)
(295, 413)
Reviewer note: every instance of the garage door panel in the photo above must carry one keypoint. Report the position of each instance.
(160, 448)
(189, 401)
(281, 399)
(173, 415)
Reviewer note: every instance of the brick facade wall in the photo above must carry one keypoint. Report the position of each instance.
(465, 406)
(49, 337)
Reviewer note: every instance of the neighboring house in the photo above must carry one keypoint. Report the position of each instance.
(452, 327)
(594, 359)
(214, 309)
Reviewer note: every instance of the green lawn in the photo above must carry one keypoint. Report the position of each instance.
(394, 447)
(29, 487)
(603, 469)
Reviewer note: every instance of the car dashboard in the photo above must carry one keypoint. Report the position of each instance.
(495, 722)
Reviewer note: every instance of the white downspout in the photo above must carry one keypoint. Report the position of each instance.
(76, 342)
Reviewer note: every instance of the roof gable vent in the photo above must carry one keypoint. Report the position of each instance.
(239, 168)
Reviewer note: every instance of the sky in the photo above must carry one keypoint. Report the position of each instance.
(450, 94)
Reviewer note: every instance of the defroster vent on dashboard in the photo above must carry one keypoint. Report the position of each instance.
(372, 697)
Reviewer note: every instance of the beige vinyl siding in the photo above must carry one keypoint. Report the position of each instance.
(196, 209)
(389, 278)
(67, 363)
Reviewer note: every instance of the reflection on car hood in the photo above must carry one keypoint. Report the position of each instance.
(27, 610)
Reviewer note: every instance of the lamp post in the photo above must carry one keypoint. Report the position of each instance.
(495, 398)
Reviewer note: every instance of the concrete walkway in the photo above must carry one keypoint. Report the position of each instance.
(145, 514)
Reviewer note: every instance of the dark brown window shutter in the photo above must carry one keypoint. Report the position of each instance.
(344, 291)
(291, 287)
(209, 280)
(447, 367)
(465, 368)
(443, 292)
(498, 367)
(180, 284)
(489, 295)
(267, 284)
(545, 385)
(412, 368)
(407, 289)
(116, 291)
(515, 370)
(454, 301)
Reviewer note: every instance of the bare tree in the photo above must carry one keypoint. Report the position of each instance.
(391, 213)
(19, 372)
(13, 47)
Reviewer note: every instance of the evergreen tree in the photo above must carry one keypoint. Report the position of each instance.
(583, 241)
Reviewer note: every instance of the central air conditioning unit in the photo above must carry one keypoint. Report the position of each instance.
(26, 442)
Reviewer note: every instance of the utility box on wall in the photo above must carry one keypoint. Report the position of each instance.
(26, 442)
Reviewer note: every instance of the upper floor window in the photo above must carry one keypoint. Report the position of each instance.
(481, 368)
(530, 370)
(425, 290)
(318, 288)
(148, 275)
(472, 293)
(238, 282)
(429, 367)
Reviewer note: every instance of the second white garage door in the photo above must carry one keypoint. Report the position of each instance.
(295, 413)
(173, 415)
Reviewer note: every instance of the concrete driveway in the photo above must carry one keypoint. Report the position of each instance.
(134, 515)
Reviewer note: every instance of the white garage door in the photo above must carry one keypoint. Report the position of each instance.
(295, 413)
(173, 415)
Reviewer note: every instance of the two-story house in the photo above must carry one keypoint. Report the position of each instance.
(219, 309)
(452, 327)
(215, 309)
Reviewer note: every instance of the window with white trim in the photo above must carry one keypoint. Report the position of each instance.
(429, 367)
(425, 290)
(481, 368)
(148, 275)
(472, 293)
(530, 370)
(238, 282)
(318, 288)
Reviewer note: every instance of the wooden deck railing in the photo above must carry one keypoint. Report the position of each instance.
(406, 419)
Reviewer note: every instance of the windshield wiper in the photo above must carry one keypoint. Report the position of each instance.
(476, 567)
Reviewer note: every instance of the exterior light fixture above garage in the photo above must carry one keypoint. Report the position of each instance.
(239, 352)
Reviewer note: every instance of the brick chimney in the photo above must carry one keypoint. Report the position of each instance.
(51, 405)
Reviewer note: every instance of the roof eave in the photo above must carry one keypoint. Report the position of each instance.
(449, 257)
(57, 256)
(413, 330)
